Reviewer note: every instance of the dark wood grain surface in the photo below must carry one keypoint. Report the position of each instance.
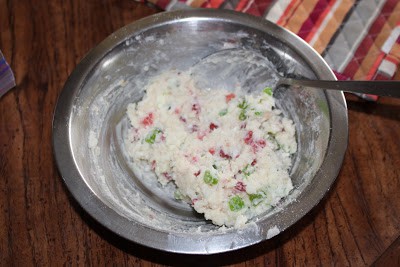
(356, 224)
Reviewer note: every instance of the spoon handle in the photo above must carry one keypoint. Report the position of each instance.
(381, 88)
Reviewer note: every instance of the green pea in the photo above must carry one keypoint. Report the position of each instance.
(236, 203)
(209, 179)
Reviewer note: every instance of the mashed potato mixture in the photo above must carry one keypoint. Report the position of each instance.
(228, 153)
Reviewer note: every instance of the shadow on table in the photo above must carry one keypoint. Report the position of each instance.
(385, 107)
(176, 259)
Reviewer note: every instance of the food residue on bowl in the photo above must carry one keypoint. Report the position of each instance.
(227, 152)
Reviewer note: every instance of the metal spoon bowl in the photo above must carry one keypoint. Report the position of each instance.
(251, 71)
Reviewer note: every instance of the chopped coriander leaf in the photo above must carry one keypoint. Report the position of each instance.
(268, 91)
(236, 203)
(209, 179)
(272, 139)
(223, 112)
(151, 137)
(247, 170)
(243, 104)
(258, 113)
(242, 115)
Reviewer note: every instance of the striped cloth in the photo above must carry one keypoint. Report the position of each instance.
(359, 39)
(7, 80)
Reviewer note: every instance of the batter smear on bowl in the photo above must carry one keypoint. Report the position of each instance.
(228, 153)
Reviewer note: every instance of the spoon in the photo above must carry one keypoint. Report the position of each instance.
(249, 70)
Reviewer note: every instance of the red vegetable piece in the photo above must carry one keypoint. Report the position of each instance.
(222, 154)
(148, 120)
(248, 139)
(258, 145)
(261, 143)
(240, 187)
(229, 97)
(213, 126)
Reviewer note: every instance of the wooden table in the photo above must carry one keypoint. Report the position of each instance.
(357, 223)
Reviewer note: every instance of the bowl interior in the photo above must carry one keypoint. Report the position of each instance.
(116, 73)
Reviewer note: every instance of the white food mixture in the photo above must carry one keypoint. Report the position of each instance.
(228, 153)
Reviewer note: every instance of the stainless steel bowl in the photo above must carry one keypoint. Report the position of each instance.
(90, 121)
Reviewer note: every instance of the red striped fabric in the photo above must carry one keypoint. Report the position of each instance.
(288, 13)
(369, 39)
(310, 25)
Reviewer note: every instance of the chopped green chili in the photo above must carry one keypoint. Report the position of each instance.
(151, 137)
(268, 91)
(256, 199)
